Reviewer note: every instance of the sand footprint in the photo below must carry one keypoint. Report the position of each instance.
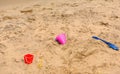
(2, 48)
(27, 10)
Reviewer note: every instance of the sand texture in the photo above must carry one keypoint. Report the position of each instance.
(31, 27)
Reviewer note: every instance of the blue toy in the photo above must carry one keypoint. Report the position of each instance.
(113, 46)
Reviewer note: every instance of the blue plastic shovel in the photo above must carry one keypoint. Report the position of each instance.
(113, 46)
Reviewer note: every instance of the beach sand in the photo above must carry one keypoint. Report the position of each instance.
(30, 26)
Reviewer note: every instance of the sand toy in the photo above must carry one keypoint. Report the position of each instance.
(113, 46)
(28, 58)
(61, 39)
(40, 63)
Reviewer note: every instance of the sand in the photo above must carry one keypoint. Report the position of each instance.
(30, 26)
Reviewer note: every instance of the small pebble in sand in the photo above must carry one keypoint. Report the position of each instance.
(28, 58)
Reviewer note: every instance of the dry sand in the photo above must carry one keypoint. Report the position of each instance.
(31, 27)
